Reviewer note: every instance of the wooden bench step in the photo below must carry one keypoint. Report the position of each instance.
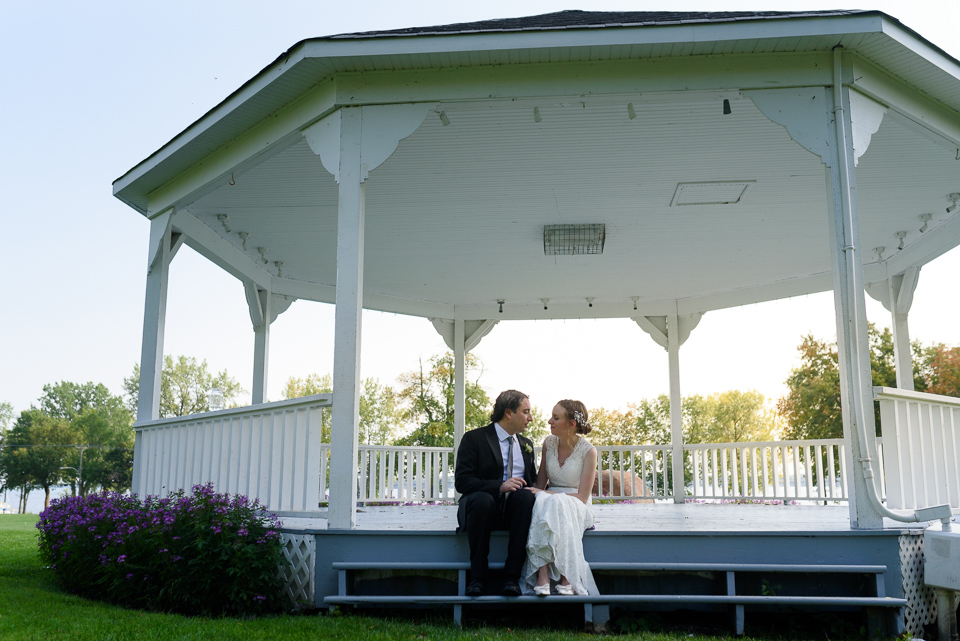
(600, 599)
(627, 566)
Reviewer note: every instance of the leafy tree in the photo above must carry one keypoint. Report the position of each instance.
(31, 457)
(184, 384)
(741, 417)
(379, 413)
(537, 428)
(811, 409)
(427, 397)
(942, 370)
(6, 417)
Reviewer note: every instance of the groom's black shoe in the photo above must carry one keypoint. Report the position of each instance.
(475, 588)
(511, 587)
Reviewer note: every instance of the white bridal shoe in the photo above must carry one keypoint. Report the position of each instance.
(542, 590)
(566, 590)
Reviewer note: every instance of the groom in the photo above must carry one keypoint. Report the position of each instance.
(495, 465)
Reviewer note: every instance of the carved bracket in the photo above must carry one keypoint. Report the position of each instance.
(473, 331)
(382, 128)
(264, 307)
(805, 113)
(656, 326)
(896, 293)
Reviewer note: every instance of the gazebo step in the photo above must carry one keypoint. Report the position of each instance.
(596, 606)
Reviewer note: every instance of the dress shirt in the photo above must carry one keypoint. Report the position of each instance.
(518, 466)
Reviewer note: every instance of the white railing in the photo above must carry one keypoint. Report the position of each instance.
(398, 474)
(634, 472)
(922, 436)
(269, 451)
(810, 470)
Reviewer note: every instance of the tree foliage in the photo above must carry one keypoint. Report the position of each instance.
(380, 416)
(184, 385)
(812, 410)
(72, 418)
(33, 454)
(941, 371)
(427, 400)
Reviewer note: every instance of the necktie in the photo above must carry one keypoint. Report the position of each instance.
(509, 457)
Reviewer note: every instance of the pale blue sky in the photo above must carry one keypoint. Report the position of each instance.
(92, 88)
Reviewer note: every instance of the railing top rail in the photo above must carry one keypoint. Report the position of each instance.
(399, 448)
(605, 448)
(909, 395)
(316, 400)
(812, 441)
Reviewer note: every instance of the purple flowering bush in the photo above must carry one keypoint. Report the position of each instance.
(199, 554)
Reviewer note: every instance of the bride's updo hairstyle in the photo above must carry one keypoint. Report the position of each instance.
(576, 411)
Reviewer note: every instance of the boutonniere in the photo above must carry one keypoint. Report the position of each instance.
(527, 448)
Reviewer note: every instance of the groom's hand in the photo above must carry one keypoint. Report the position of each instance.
(512, 484)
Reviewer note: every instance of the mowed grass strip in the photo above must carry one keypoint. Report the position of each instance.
(32, 607)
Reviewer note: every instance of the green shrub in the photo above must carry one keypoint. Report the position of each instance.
(205, 553)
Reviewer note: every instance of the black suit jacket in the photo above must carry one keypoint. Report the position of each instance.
(480, 463)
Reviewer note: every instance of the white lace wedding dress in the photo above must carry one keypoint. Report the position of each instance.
(558, 523)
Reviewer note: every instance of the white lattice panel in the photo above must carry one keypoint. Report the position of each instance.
(299, 550)
(921, 600)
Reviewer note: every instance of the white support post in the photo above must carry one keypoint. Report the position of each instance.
(856, 386)
(676, 407)
(901, 290)
(459, 384)
(154, 317)
(347, 332)
(261, 350)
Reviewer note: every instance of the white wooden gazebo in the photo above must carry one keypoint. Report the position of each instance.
(705, 160)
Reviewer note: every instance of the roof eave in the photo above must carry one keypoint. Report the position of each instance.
(126, 187)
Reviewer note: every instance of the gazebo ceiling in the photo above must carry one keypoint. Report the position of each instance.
(454, 218)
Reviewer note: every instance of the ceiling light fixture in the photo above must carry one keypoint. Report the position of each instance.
(954, 197)
(536, 114)
(500, 303)
(726, 107)
(443, 118)
(570, 240)
(925, 219)
(901, 235)
(631, 112)
(544, 301)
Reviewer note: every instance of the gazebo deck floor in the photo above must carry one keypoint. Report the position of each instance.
(638, 519)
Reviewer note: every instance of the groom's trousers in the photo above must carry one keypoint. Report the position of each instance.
(480, 513)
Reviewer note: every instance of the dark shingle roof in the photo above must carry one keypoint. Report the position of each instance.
(591, 20)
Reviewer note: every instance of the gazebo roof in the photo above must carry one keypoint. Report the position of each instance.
(573, 117)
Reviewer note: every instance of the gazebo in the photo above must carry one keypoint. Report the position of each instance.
(646, 165)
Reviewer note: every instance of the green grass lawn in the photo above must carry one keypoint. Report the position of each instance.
(33, 607)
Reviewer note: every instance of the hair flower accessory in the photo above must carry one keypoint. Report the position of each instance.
(578, 417)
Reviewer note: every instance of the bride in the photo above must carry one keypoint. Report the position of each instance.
(562, 511)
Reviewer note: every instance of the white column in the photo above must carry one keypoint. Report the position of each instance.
(154, 318)
(856, 386)
(347, 332)
(459, 383)
(676, 407)
(261, 351)
(900, 289)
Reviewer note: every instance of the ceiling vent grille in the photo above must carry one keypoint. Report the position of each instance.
(572, 240)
